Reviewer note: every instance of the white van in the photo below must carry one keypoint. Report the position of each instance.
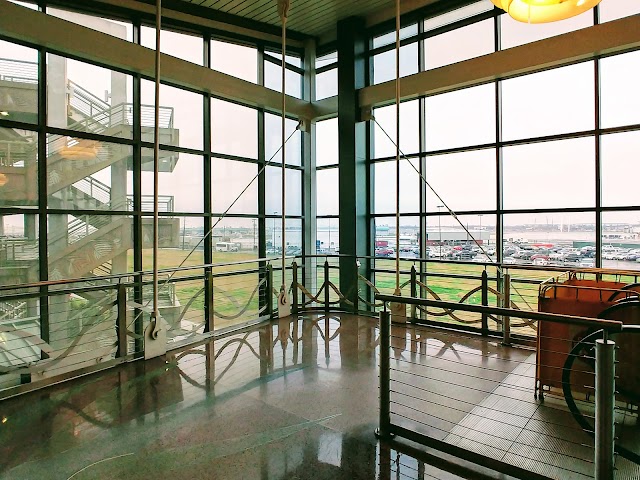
(226, 247)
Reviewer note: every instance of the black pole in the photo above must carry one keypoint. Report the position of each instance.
(485, 302)
(385, 395)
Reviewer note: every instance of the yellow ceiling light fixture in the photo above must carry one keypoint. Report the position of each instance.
(543, 11)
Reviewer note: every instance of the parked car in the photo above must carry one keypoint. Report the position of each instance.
(587, 263)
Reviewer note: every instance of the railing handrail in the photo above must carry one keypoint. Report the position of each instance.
(610, 325)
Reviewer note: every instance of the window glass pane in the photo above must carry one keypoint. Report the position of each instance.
(390, 37)
(290, 59)
(327, 59)
(621, 240)
(18, 83)
(461, 44)
(25, 4)
(88, 98)
(177, 238)
(619, 162)
(180, 182)
(620, 96)
(555, 239)
(273, 80)
(228, 180)
(18, 167)
(180, 116)
(384, 64)
(620, 8)
(328, 236)
(123, 30)
(273, 140)
(514, 33)
(457, 14)
(273, 201)
(327, 84)
(385, 187)
(181, 45)
(241, 235)
(409, 130)
(327, 191)
(558, 174)
(87, 174)
(327, 142)
(233, 59)
(385, 243)
(445, 236)
(549, 103)
(465, 181)
(18, 249)
(461, 118)
(234, 129)
(89, 245)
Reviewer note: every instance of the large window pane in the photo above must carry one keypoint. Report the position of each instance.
(181, 45)
(409, 130)
(445, 235)
(88, 98)
(82, 245)
(514, 33)
(123, 30)
(621, 240)
(389, 38)
(88, 174)
(293, 186)
(234, 129)
(620, 8)
(619, 159)
(180, 116)
(237, 60)
(327, 191)
(465, 181)
(327, 142)
(558, 174)
(461, 44)
(273, 140)
(293, 242)
(385, 243)
(180, 183)
(461, 118)
(18, 249)
(327, 84)
(326, 59)
(18, 83)
(385, 187)
(228, 180)
(384, 64)
(328, 236)
(273, 79)
(456, 15)
(177, 237)
(549, 103)
(620, 96)
(18, 167)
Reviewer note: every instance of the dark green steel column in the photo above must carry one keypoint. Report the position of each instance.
(352, 152)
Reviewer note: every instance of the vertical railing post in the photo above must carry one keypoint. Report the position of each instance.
(326, 286)
(294, 292)
(506, 303)
(269, 290)
(605, 408)
(414, 291)
(385, 370)
(121, 321)
(485, 302)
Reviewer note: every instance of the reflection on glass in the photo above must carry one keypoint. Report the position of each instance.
(384, 64)
(461, 118)
(409, 130)
(621, 240)
(229, 179)
(234, 129)
(88, 174)
(273, 140)
(180, 116)
(619, 161)
(233, 59)
(463, 43)
(327, 142)
(18, 167)
(385, 186)
(178, 235)
(180, 45)
(549, 103)
(620, 96)
(465, 181)
(180, 184)
(19, 249)
(558, 174)
(327, 191)
(273, 200)
(19, 77)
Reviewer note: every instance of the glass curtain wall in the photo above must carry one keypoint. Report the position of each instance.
(536, 167)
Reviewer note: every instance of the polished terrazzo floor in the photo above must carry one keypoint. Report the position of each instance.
(294, 399)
